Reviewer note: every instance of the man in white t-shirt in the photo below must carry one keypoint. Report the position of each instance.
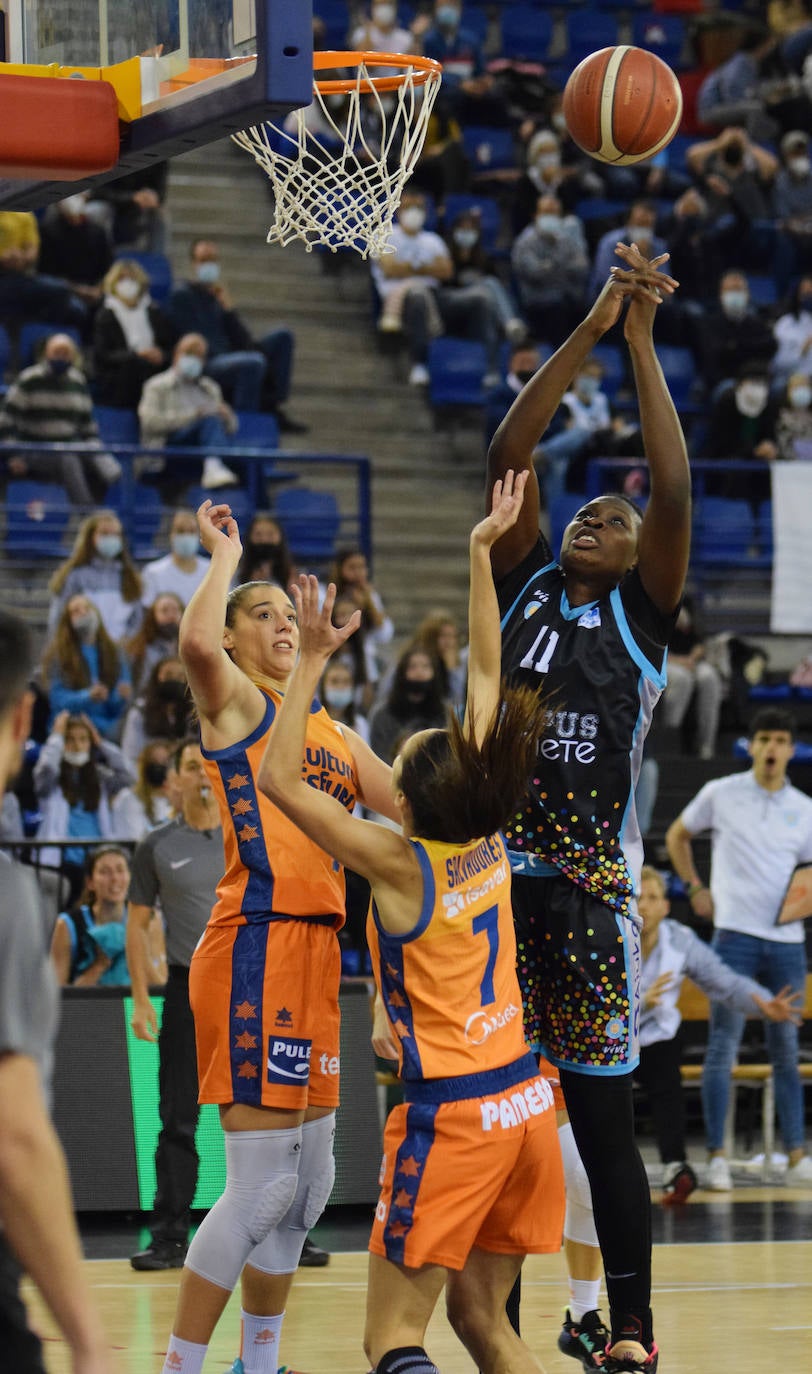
(182, 570)
(761, 828)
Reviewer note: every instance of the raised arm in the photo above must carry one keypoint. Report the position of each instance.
(484, 636)
(518, 435)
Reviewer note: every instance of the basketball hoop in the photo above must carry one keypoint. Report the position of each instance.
(339, 168)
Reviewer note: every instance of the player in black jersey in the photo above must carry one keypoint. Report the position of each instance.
(590, 630)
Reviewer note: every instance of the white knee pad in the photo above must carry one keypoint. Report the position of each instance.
(279, 1253)
(262, 1171)
(579, 1222)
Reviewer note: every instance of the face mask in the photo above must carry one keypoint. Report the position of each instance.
(384, 15)
(751, 398)
(548, 161)
(447, 16)
(734, 303)
(263, 553)
(189, 366)
(168, 631)
(128, 289)
(86, 625)
(73, 206)
(637, 233)
(734, 155)
(465, 238)
(155, 774)
(548, 224)
(805, 301)
(800, 396)
(76, 758)
(171, 690)
(184, 545)
(419, 691)
(412, 218)
(58, 366)
(338, 697)
(587, 387)
(799, 166)
(207, 272)
(558, 122)
(109, 545)
(525, 377)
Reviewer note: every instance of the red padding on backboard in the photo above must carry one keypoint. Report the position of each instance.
(61, 128)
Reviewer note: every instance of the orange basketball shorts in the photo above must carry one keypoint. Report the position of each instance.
(484, 1171)
(265, 1004)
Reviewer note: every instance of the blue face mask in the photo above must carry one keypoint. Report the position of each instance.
(109, 545)
(338, 697)
(447, 16)
(58, 366)
(587, 387)
(189, 365)
(208, 272)
(185, 545)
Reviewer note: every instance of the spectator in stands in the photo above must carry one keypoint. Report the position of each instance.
(555, 166)
(733, 93)
(155, 639)
(100, 566)
(550, 266)
(736, 176)
(88, 945)
(414, 701)
(792, 207)
(761, 829)
(793, 428)
(589, 430)
(25, 294)
(439, 634)
(74, 248)
(255, 374)
(147, 803)
(639, 229)
(351, 576)
(379, 31)
(181, 570)
(523, 363)
(182, 408)
(699, 242)
(735, 332)
(443, 167)
(84, 671)
(468, 90)
(76, 777)
(131, 209)
(414, 284)
(473, 267)
(692, 678)
(337, 692)
(793, 334)
(266, 556)
(791, 22)
(359, 656)
(50, 403)
(163, 711)
(132, 336)
(742, 425)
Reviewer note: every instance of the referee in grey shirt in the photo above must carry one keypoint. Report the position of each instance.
(179, 864)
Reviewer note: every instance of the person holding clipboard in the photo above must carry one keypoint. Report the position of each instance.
(761, 831)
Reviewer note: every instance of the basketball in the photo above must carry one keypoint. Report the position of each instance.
(622, 104)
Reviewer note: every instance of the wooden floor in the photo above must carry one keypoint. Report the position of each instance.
(722, 1306)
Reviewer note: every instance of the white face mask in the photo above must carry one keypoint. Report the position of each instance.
(189, 365)
(385, 15)
(548, 162)
(734, 303)
(751, 398)
(412, 219)
(128, 289)
(800, 396)
(638, 233)
(77, 758)
(549, 224)
(799, 166)
(74, 205)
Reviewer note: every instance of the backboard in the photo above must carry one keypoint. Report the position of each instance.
(186, 71)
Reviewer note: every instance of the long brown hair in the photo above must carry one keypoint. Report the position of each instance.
(64, 654)
(459, 790)
(147, 633)
(83, 552)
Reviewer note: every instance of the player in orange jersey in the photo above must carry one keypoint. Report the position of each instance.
(264, 979)
(471, 1178)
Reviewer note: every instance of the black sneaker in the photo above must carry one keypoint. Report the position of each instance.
(586, 1340)
(287, 425)
(312, 1257)
(160, 1254)
(678, 1188)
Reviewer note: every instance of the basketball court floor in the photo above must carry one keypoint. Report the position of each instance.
(732, 1294)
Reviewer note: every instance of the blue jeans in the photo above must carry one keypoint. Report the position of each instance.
(775, 965)
(241, 376)
(207, 432)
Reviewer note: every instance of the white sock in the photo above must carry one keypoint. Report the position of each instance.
(184, 1357)
(260, 1343)
(583, 1296)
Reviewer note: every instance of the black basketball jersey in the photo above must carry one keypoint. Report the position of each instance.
(603, 673)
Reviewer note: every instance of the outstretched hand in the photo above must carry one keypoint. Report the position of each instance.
(640, 282)
(508, 495)
(215, 524)
(786, 1005)
(318, 636)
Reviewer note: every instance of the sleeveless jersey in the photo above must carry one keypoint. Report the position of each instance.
(603, 676)
(449, 985)
(272, 870)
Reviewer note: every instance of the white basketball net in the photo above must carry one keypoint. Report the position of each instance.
(339, 168)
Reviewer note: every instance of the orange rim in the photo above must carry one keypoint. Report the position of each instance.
(421, 68)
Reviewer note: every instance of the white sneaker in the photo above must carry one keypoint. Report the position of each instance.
(216, 474)
(419, 375)
(800, 1174)
(516, 330)
(718, 1178)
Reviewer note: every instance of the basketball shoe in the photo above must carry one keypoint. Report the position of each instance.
(679, 1183)
(585, 1340)
(628, 1355)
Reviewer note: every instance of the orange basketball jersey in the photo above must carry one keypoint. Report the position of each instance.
(272, 870)
(450, 986)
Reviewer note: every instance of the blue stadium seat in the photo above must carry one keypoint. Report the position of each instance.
(612, 359)
(490, 215)
(724, 531)
(257, 429)
(763, 288)
(456, 369)
(474, 20)
(242, 507)
(33, 335)
(143, 519)
(526, 33)
(679, 369)
(311, 521)
(37, 515)
(157, 267)
(489, 149)
(563, 509)
(336, 18)
(117, 425)
(663, 34)
(587, 31)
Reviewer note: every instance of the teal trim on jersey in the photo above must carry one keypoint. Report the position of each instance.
(575, 612)
(655, 675)
(548, 567)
